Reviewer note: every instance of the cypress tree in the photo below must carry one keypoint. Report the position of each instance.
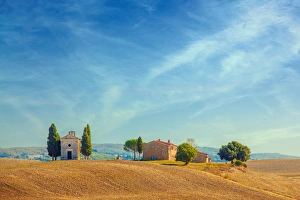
(140, 146)
(86, 145)
(53, 143)
(88, 130)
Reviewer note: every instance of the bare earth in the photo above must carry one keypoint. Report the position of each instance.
(265, 179)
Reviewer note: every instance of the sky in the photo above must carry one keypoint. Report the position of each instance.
(216, 71)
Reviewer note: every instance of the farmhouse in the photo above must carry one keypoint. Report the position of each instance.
(70, 147)
(202, 158)
(159, 150)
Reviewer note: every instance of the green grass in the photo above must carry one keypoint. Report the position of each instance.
(196, 166)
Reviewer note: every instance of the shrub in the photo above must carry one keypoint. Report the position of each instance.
(244, 165)
(239, 163)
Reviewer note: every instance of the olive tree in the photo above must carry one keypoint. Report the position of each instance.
(234, 150)
(186, 153)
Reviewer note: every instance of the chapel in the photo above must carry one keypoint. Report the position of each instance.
(70, 147)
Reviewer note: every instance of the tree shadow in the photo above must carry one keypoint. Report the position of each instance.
(173, 164)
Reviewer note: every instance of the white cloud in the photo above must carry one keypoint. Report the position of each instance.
(262, 137)
(197, 50)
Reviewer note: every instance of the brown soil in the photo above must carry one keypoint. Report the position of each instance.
(23, 179)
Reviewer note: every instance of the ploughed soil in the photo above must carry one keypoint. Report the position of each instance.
(265, 179)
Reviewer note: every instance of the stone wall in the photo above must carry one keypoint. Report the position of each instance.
(201, 158)
(158, 150)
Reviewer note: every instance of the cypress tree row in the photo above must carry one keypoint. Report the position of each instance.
(86, 144)
(53, 143)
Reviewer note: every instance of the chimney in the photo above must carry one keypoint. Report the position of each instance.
(169, 142)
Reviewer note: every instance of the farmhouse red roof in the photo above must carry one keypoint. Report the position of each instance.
(202, 153)
(165, 143)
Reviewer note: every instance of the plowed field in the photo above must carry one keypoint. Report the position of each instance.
(23, 179)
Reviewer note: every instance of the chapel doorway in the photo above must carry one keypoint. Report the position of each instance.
(69, 155)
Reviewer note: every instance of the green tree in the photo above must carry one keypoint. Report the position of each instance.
(140, 146)
(86, 145)
(131, 145)
(234, 150)
(53, 143)
(88, 130)
(186, 153)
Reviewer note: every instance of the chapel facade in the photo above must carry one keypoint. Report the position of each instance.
(70, 147)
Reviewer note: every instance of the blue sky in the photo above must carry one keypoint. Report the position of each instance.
(215, 71)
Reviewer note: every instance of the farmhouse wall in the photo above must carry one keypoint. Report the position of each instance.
(202, 158)
(70, 147)
(159, 150)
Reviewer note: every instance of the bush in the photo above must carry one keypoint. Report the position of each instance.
(239, 163)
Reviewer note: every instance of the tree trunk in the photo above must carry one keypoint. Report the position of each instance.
(133, 154)
(52, 158)
(139, 156)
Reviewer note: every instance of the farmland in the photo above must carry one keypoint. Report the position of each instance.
(25, 179)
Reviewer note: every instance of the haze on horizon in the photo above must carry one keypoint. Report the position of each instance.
(215, 71)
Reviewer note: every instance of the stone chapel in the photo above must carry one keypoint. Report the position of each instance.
(70, 147)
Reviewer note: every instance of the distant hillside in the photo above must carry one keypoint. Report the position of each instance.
(263, 156)
(213, 154)
(100, 152)
(110, 151)
(23, 152)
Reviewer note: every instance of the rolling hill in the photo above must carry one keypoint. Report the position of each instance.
(110, 151)
(25, 179)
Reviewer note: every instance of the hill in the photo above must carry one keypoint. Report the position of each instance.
(24, 179)
(213, 154)
(263, 156)
(110, 151)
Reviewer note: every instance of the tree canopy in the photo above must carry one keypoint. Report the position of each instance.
(53, 143)
(131, 145)
(234, 150)
(86, 143)
(186, 153)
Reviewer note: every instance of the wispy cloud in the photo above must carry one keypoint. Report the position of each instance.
(216, 67)
(238, 54)
(266, 136)
(200, 48)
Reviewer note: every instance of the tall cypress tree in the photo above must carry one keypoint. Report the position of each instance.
(53, 143)
(86, 145)
(140, 146)
(90, 149)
